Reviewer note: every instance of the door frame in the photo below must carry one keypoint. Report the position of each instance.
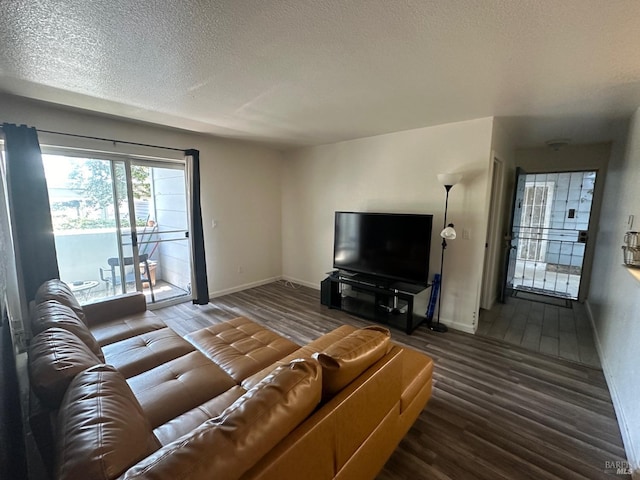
(493, 241)
(128, 160)
(594, 218)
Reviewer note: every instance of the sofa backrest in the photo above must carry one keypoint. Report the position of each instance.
(56, 356)
(52, 313)
(322, 445)
(56, 289)
(228, 445)
(102, 429)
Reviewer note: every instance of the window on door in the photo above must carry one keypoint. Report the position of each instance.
(535, 220)
(120, 225)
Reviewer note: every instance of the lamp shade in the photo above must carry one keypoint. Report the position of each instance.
(449, 233)
(449, 178)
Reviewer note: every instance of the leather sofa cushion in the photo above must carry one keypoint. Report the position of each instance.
(307, 351)
(227, 446)
(343, 361)
(58, 290)
(175, 387)
(241, 347)
(102, 429)
(51, 313)
(112, 331)
(56, 356)
(143, 352)
(183, 424)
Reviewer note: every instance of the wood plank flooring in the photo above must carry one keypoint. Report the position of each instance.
(498, 411)
(550, 329)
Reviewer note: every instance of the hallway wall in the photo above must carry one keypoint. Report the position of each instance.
(614, 297)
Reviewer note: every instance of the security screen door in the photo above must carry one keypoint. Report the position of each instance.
(549, 232)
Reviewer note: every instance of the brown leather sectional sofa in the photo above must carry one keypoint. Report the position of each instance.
(118, 394)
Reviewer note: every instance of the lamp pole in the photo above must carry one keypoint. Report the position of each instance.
(448, 180)
(439, 327)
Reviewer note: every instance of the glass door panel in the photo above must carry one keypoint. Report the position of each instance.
(162, 228)
(86, 233)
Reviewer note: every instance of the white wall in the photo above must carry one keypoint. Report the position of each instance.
(393, 173)
(501, 171)
(614, 298)
(594, 156)
(241, 185)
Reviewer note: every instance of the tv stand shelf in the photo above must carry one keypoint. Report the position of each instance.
(370, 298)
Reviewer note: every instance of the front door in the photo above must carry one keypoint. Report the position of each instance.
(549, 233)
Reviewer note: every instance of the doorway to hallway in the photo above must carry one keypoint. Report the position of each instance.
(550, 223)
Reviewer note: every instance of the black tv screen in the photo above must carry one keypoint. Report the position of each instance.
(395, 246)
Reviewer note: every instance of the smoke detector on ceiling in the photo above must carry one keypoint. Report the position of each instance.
(558, 143)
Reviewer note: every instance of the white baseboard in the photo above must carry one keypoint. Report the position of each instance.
(633, 457)
(315, 286)
(244, 286)
(461, 327)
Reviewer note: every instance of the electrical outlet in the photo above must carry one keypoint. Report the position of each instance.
(214, 223)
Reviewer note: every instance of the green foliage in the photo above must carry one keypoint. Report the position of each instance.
(87, 223)
(94, 177)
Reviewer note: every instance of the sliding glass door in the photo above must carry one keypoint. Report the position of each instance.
(120, 225)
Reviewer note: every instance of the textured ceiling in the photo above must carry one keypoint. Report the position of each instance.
(304, 72)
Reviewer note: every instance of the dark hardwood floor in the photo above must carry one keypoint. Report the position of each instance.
(498, 411)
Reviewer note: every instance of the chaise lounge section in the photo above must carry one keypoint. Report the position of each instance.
(118, 394)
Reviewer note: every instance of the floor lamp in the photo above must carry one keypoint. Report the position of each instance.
(448, 233)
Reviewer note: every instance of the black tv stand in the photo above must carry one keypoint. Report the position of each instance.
(374, 298)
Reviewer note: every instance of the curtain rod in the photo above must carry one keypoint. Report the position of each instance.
(111, 140)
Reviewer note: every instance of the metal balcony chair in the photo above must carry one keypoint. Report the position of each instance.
(111, 275)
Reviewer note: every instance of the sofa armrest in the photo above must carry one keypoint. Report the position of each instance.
(115, 307)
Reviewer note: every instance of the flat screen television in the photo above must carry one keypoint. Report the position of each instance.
(394, 246)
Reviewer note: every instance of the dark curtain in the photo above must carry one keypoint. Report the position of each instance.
(200, 285)
(30, 213)
(12, 456)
